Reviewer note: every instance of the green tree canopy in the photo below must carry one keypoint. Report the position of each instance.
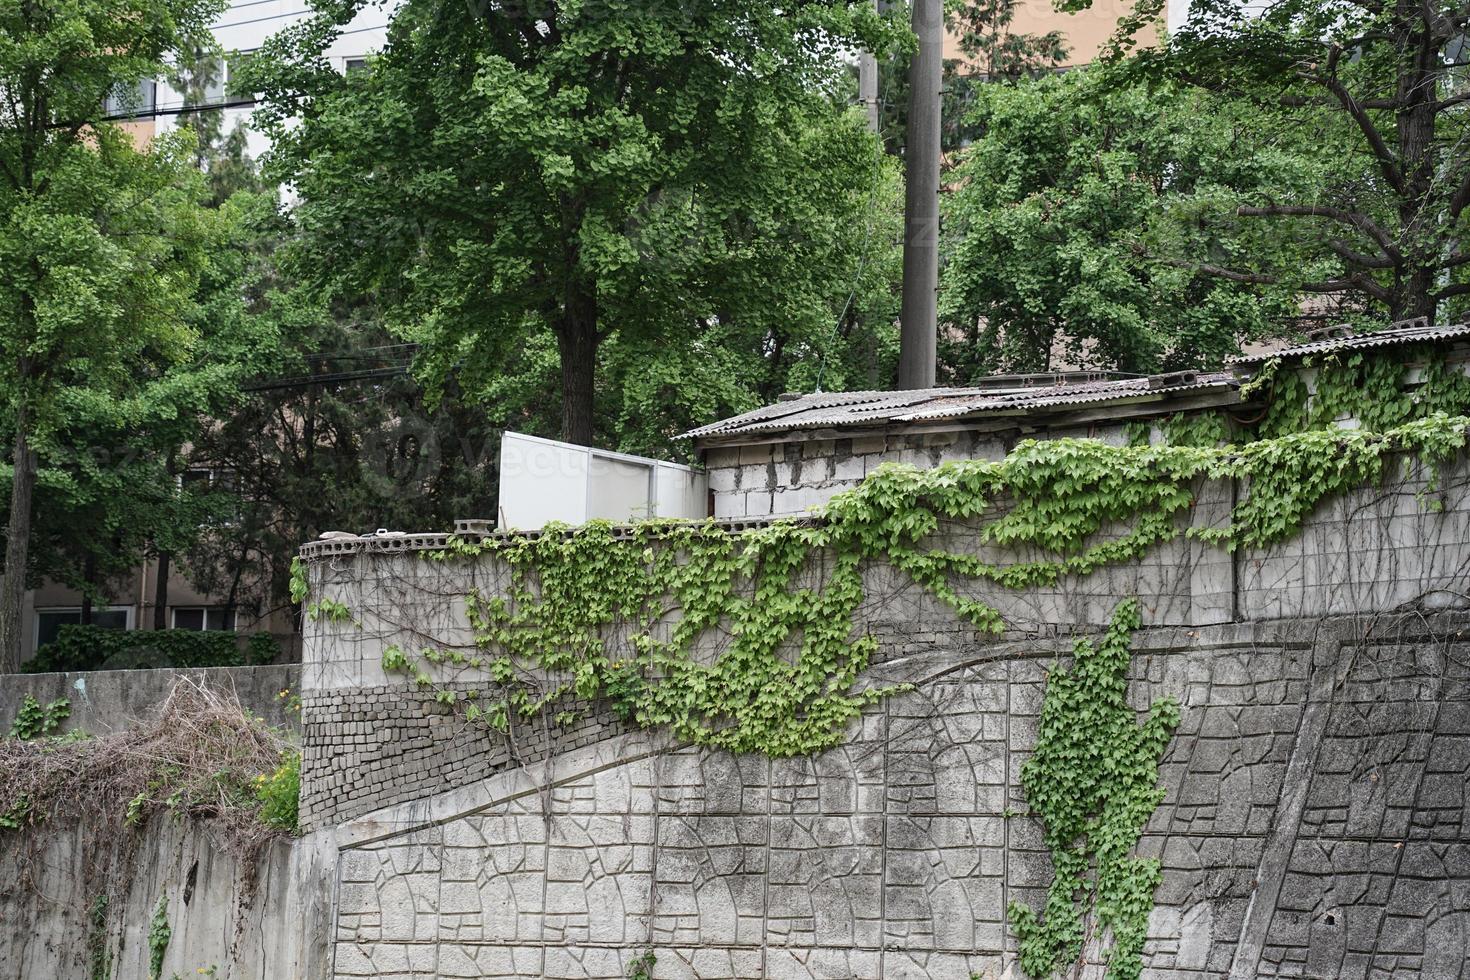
(110, 333)
(631, 183)
(1080, 216)
(1388, 218)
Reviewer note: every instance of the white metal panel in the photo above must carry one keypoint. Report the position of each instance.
(681, 492)
(541, 481)
(619, 488)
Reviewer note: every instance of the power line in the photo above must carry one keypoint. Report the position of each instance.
(179, 111)
(338, 377)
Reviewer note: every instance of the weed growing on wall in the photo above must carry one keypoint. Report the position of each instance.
(199, 755)
(159, 935)
(1093, 782)
(35, 721)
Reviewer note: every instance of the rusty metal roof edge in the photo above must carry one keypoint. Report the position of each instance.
(1382, 338)
(1094, 394)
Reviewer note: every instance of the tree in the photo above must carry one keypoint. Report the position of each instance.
(1069, 212)
(596, 173)
(102, 247)
(1390, 216)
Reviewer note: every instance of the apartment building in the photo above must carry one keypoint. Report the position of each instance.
(155, 107)
(1085, 32)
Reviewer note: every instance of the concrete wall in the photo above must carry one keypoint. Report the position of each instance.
(110, 700)
(268, 921)
(1313, 822)
(783, 479)
(1313, 826)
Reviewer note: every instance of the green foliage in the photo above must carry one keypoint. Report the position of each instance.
(34, 721)
(98, 648)
(300, 587)
(279, 793)
(1080, 217)
(681, 184)
(1376, 91)
(746, 642)
(641, 967)
(119, 328)
(159, 934)
(1378, 391)
(329, 609)
(14, 815)
(98, 955)
(1093, 781)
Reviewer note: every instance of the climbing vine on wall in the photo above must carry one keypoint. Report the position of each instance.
(1093, 781)
(747, 642)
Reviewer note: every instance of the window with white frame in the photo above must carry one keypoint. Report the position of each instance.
(49, 621)
(203, 618)
(137, 99)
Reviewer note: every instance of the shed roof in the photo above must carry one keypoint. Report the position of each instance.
(1411, 332)
(1022, 395)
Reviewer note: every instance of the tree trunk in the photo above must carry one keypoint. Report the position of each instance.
(576, 339)
(160, 593)
(1418, 156)
(89, 579)
(17, 544)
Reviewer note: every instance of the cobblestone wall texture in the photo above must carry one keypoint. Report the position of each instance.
(1313, 824)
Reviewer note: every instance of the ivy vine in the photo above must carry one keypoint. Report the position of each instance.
(749, 642)
(159, 935)
(1093, 781)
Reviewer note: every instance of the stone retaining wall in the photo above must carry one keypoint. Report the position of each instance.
(110, 700)
(1312, 825)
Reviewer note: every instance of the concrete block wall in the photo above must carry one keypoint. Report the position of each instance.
(1312, 824)
(1306, 830)
(791, 478)
(230, 920)
(104, 701)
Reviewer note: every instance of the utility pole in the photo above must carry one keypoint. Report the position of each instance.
(919, 314)
(868, 84)
(868, 87)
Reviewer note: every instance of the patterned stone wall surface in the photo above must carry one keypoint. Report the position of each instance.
(1313, 826)
(373, 741)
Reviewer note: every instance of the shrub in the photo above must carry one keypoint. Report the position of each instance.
(98, 648)
(279, 793)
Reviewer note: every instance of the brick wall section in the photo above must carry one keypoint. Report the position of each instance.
(368, 748)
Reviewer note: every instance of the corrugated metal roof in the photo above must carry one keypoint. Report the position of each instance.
(1392, 337)
(873, 408)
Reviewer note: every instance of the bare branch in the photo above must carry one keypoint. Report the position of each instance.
(1345, 250)
(1358, 282)
(1214, 271)
(1455, 289)
(1388, 162)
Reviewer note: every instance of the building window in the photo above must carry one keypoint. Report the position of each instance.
(203, 479)
(138, 99)
(354, 65)
(201, 618)
(202, 83)
(50, 621)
